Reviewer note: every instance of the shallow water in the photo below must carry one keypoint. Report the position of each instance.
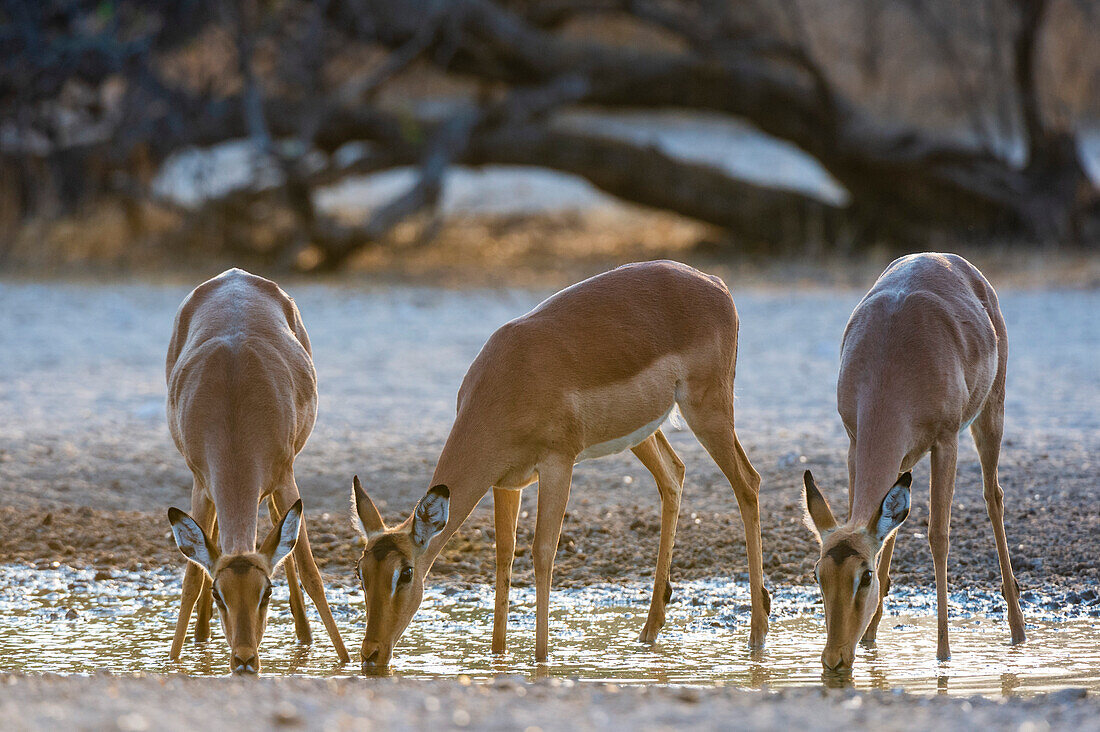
(65, 621)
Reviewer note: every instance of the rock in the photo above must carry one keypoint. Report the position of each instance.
(286, 715)
(132, 722)
(71, 614)
(1072, 694)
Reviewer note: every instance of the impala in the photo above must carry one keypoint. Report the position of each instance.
(242, 400)
(923, 358)
(594, 370)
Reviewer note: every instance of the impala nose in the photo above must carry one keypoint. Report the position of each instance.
(833, 661)
(249, 665)
(374, 661)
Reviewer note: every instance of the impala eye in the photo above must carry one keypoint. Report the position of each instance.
(865, 580)
(267, 596)
(218, 599)
(406, 575)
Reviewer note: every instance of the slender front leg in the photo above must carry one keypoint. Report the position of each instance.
(505, 517)
(311, 576)
(555, 474)
(668, 471)
(297, 603)
(202, 510)
(871, 634)
(206, 598)
(944, 455)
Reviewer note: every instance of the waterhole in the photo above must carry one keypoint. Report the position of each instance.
(69, 621)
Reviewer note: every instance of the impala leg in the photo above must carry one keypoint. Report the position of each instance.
(506, 518)
(555, 475)
(206, 599)
(871, 634)
(297, 602)
(311, 576)
(987, 430)
(668, 471)
(713, 426)
(202, 510)
(944, 455)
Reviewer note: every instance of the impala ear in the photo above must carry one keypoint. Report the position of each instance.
(283, 536)
(370, 521)
(192, 540)
(894, 510)
(430, 515)
(819, 517)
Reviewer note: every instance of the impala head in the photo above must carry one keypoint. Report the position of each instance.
(393, 567)
(847, 571)
(242, 582)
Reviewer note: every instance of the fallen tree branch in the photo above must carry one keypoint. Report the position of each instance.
(949, 184)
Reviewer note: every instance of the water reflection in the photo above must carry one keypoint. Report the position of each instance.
(69, 623)
(837, 679)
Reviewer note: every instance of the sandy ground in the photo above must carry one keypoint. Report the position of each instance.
(174, 703)
(87, 466)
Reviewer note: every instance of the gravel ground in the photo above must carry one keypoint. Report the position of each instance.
(87, 466)
(175, 703)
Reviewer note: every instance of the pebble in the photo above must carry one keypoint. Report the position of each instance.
(286, 715)
(1071, 694)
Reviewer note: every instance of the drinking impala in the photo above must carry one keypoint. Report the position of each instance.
(242, 399)
(593, 370)
(923, 357)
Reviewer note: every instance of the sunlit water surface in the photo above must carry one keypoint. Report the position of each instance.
(65, 621)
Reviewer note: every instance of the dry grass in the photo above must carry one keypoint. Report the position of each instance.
(544, 251)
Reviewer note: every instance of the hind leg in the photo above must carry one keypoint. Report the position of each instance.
(297, 603)
(206, 599)
(668, 471)
(505, 516)
(711, 419)
(986, 431)
(311, 576)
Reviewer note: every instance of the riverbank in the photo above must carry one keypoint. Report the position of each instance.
(134, 704)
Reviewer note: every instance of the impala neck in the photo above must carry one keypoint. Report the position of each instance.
(880, 448)
(235, 490)
(467, 469)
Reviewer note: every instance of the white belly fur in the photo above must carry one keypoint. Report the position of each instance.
(626, 442)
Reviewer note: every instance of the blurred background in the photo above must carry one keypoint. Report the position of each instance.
(465, 137)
